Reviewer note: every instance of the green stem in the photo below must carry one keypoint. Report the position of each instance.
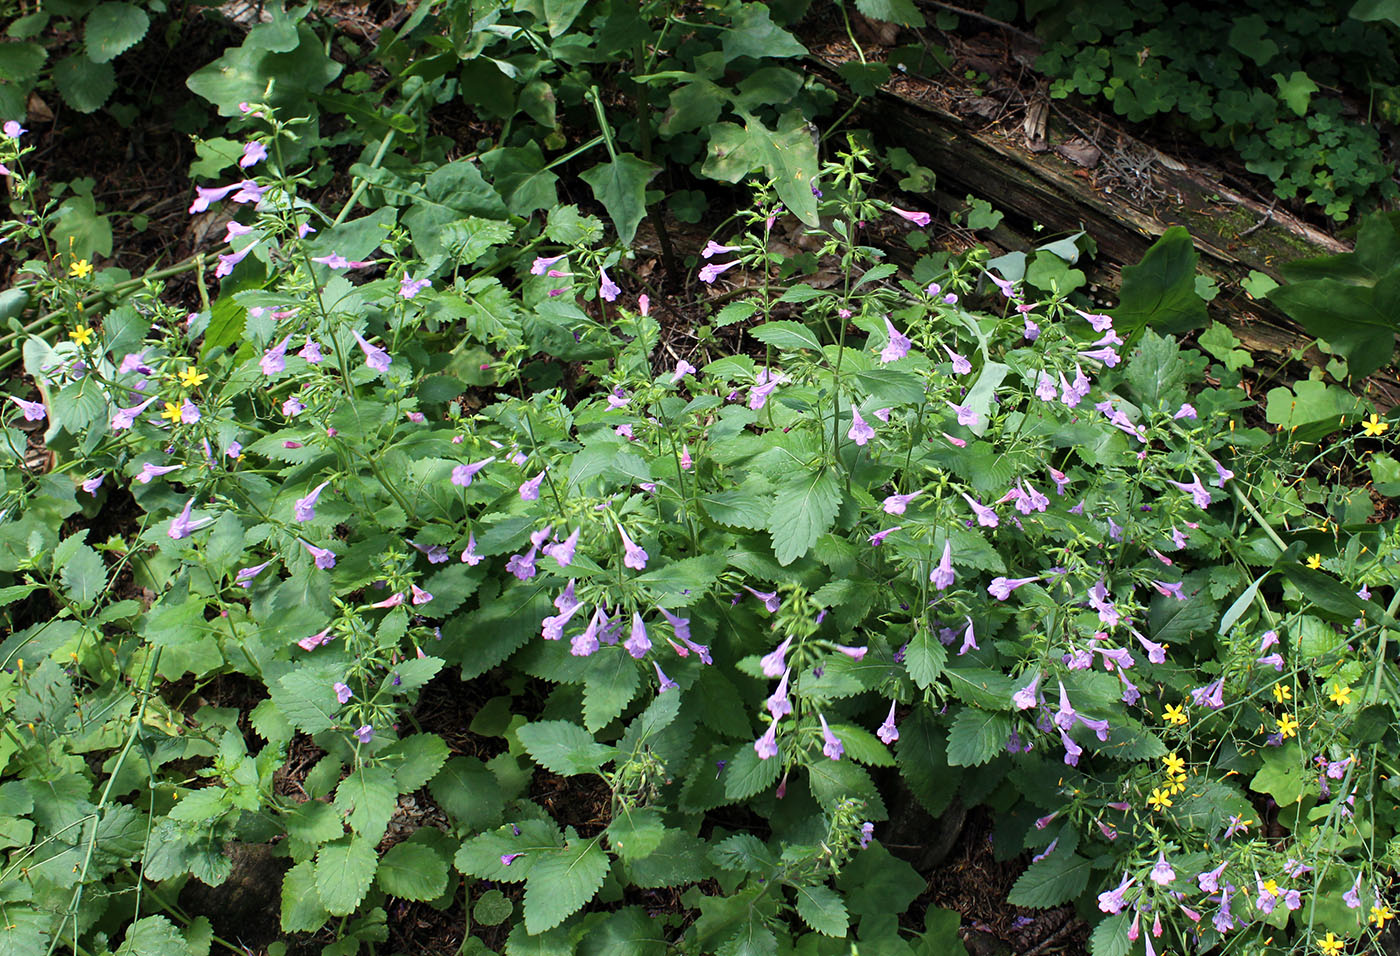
(379, 155)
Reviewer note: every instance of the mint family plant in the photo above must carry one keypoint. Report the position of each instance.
(900, 548)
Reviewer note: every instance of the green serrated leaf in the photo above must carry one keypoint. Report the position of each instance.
(561, 882)
(635, 833)
(84, 576)
(803, 511)
(1058, 878)
(344, 872)
(822, 908)
(977, 736)
(113, 28)
(412, 871)
(564, 748)
(746, 775)
(367, 799)
(85, 85)
(925, 657)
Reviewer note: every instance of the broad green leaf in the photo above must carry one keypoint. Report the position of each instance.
(753, 33)
(630, 931)
(344, 872)
(492, 908)
(562, 881)
(412, 871)
(925, 657)
(1161, 289)
(84, 575)
(803, 511)
(1296, 90)
(977, 736)
(610, 683)
(787, 155)
(152, 936)
(113, 28)
(20, 62)
(678, 860)
(564, 748)
(421, 756)
(921, 753)
(241, 74)
(1283, 775)
(877, 882)
(635, 833)
(1249, 35)
(1110, 937)
(482, 854)
(85, 85)
(1058, 878)
(367, 799)
(468, 792)
(822, 908)
(621, 186)
(746, 775)
(786, 335)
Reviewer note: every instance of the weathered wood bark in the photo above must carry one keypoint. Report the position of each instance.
(1233, 233)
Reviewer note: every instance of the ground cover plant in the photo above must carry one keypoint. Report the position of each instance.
(906, 540)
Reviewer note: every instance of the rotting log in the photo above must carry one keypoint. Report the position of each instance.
(1234, 234)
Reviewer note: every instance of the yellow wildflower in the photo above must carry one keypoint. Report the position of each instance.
(1174, 714)
(1282, 692)
(1341, 696)
(1160, 799)
(1331, 945)
(172, 412)
(1287, 726)
(1315, 561)
(1379, 914)
(192, 377)
(1173, 763)
(82, 335)
(80, 269)
(1373, 426)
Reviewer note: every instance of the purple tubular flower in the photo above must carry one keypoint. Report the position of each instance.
(1072, 749)
(888, 732)
(942, 577)
(638, 643)
(607, 288)
(666, 682)
(1001, 588)
(530, 489)
(1169, 589)
(778, 704)
(831, 744)
(1199, 494)
(1025, 698)
(311, 351)
(878, 538)
(34, 411)
(898, 345)
(253, 153)
(124, 418)
(634, 557)
(969, 640)
(315, 641)
(1156, 653)
(1111, 901)
(683, 368)
(770, 599)
(563, 552)
(182, 527)
(1106, 355)
(586, 643)
(462, 475)
(920, 219)
(92, 484)
(13, 130)
(1211, 695)
(767, 745)
(1099, 601)
(324, 557)
(228, 260)
(1185, 411)
(867, 833)
(305, 508)
(1209, 881)
(713, 249)
(1352, 897)
(772, 663)
(508, 858)
(961, 366)
(419, 595)
(274, 359)
(203, 196)
(364, 733)
(408, 288)
(244, 577)
(522, 565)
(540, 265)
(375, 357)
(860, 431)
(986, 517)
(896, 504)
(343, 693)
(714, 270)
(149, 471)
(469, 556)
